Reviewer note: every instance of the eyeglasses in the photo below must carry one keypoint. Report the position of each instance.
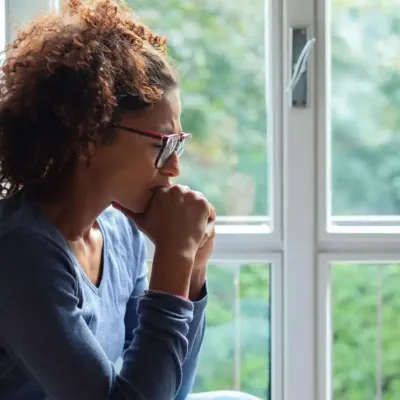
(170, 143)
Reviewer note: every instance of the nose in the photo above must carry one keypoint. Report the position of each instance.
(172, 166)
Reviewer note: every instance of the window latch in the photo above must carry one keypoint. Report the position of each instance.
(301, 47)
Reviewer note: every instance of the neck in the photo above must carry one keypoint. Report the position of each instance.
(74, 205)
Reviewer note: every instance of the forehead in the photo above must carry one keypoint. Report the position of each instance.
(163, 116)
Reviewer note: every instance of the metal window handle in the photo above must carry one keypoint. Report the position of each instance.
(301, 47)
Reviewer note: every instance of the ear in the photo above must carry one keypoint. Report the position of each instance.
(91, 148)
(87, 151)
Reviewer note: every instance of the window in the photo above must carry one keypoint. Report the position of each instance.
(359, 329)
(236, 353)
(364, 78)
(364, 81)
(365, 318)
(357, 126)
(307, 249)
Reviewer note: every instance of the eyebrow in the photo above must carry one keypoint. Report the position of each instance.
(168, 129)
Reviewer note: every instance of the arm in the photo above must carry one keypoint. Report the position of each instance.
(196, 327)
(43, 330)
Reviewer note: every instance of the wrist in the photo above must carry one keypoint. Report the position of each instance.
(182, 254)
(197, 282)
(171, 272)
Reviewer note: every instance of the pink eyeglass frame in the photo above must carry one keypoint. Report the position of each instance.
(155, 135)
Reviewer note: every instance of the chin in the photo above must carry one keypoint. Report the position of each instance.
(137, 205)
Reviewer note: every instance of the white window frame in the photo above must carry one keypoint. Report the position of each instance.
(362, 240)
(299, 204)
(375, 233)
(310, 245)
(295, 241)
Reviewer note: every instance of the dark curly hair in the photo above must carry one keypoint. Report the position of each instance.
(65, 79)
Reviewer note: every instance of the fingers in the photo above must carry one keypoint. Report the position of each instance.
(184, 188)
(213, 213)
(209, 234)
(211, 209)
(199, 195)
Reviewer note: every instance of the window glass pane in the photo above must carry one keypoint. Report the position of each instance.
(365, 104)
(219, 49)
(366, 323)
(236, 350)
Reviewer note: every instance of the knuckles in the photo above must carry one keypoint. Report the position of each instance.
(184, 195)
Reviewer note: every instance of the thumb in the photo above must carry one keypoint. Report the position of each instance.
(210, 233)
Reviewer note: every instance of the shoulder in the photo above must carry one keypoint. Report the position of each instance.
(31, 245)
(26, 232)
(22, 219)
(32, 261)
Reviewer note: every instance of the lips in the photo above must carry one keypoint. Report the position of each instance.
(167, 185)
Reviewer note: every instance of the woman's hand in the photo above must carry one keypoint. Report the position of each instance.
(176, 222)
(199, 273)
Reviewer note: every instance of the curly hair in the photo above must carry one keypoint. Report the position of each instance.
(65, 79)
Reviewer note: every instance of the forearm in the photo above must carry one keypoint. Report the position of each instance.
(177, 281)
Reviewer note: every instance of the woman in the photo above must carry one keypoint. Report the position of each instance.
(90, 134)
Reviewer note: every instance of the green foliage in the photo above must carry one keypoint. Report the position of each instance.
(238, 330)
(365, 108)
(358, 306)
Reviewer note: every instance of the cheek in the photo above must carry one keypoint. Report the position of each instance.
(128, 165)
(139, 166)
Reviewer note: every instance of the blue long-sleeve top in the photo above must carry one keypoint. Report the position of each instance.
(60, 335)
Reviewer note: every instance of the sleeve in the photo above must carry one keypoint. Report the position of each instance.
(195, 338)
(196, 326)
(43, 330)
(139, 289)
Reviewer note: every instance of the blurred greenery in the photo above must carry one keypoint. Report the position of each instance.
(238, 331)
(219, 49)
(365, 103)
(359, 325)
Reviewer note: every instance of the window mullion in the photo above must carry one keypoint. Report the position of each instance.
(299, 202)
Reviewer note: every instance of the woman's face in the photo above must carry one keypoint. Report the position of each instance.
(127, 167)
